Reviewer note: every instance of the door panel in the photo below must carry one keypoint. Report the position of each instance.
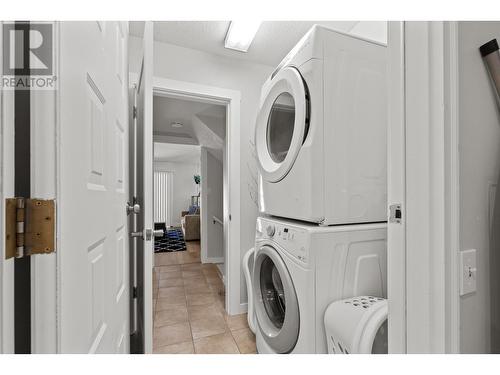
(93, 188)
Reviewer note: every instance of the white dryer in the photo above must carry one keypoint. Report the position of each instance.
(299, 269)
(321, 131)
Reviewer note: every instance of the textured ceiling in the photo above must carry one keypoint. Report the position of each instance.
(203, 124)
(169, 110)
(272, 42)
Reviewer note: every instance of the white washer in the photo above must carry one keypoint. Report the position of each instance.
(321, 132)
(299, 269)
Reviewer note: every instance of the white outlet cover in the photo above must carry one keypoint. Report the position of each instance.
(468, 271)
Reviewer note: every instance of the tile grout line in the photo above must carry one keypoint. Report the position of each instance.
(187, 310)
(223, 317)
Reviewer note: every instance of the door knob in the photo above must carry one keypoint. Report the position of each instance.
(148, 234)
(133, 209)
(158, 233)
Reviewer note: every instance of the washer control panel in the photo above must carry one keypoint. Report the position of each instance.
(293, 240)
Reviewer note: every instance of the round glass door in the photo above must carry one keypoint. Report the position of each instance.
(276, 307)
(282, 123)
(273, 294)
(280, 127)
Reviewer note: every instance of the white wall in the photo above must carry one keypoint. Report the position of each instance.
(374, 30)
(479, 173)
(190, 65)
(212, 205)
(184, 186)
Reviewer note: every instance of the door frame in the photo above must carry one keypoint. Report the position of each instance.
(231, 99)
(45, 152)
(44, 277)
(423, 175)
(452, 185)
(396, 189)
(6, 191)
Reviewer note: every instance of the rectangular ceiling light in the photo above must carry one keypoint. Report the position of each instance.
(240, 34)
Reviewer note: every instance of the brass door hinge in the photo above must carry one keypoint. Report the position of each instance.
(29, 227)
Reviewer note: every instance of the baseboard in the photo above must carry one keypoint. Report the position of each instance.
(213, 260)
(220, 271)
(242, 309)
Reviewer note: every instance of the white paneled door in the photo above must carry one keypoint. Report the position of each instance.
(93, 250)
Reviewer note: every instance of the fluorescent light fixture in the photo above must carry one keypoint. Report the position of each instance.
(240, 34)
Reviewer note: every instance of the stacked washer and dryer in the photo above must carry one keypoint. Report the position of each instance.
(320, 141)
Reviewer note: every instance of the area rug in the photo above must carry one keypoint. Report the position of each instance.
(172, 240)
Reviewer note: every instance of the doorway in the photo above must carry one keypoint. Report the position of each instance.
(230, 99)
(197, 126)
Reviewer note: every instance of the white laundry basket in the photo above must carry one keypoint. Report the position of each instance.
(357, 325)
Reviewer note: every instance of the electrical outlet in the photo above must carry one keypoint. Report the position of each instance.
(468, 271)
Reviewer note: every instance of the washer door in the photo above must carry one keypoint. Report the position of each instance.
(282, 124)
(276, 305)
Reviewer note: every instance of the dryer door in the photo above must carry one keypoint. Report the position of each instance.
(276, 305)
(282, 124)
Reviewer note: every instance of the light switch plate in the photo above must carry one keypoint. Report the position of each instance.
(468, 271)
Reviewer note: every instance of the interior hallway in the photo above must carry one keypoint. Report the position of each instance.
(188, 304)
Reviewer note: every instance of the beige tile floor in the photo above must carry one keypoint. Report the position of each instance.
(188, 304)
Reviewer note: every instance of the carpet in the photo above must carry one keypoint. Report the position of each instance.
(172, 240)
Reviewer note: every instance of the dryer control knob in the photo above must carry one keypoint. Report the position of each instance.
(270, 230)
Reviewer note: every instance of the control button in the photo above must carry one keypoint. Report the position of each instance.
(270, 230)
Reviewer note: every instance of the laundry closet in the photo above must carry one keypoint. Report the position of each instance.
(321, 238)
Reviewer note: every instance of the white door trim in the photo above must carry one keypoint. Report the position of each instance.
(452, 186)
(44, 129)
(396, 190)
(424, 75)
(231, 98)
(431, 101)
(6, 191)
(423, 171)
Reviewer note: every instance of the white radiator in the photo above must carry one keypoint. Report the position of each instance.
(163, 184)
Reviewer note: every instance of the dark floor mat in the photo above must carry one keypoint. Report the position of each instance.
(172, 240)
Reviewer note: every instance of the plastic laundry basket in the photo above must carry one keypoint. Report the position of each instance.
(357, 325)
